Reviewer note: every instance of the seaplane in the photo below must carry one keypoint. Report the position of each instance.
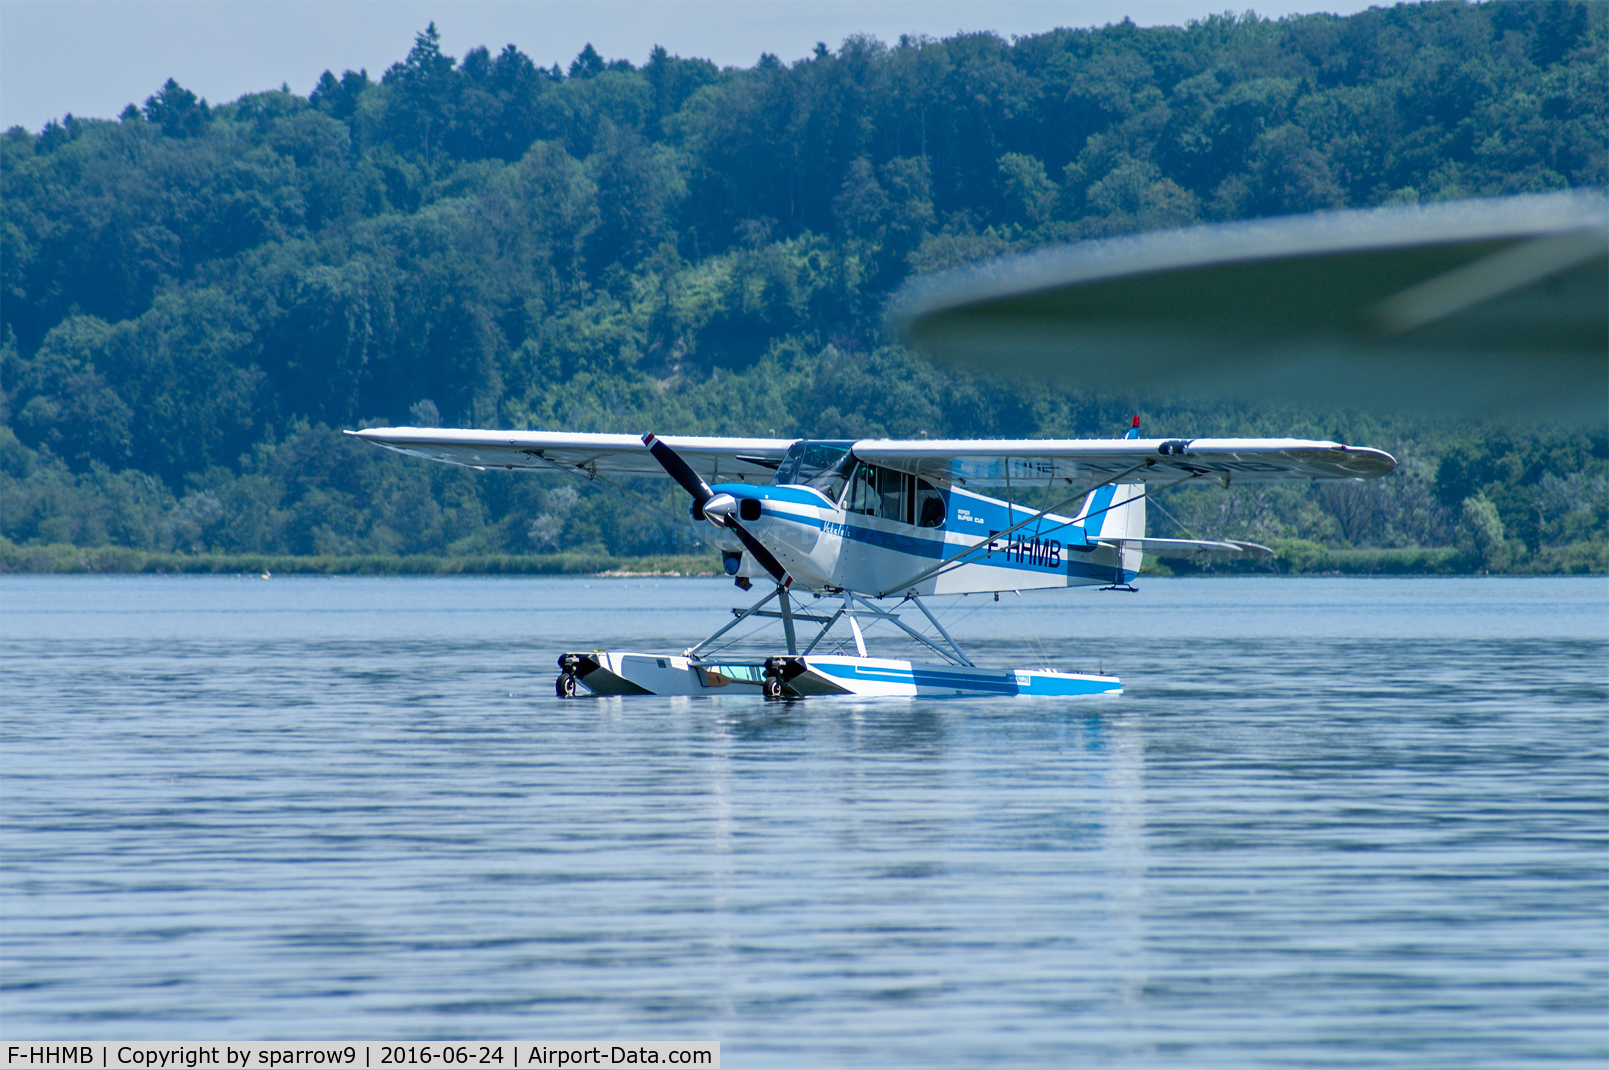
(869, 529)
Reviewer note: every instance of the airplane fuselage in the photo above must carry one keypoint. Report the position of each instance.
(876, 545)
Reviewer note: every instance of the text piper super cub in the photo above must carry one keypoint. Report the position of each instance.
(863, 522)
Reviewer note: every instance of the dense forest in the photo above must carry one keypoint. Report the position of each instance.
(198, 297)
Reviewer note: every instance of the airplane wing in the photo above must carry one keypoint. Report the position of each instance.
(1193, 549)
(1481, 308)
(994, 463)
(717, 460)
(980, 462)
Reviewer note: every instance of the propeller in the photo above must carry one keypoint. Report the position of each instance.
(718, 509)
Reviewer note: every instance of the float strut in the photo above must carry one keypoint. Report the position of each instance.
(787, 619)
(738, 617)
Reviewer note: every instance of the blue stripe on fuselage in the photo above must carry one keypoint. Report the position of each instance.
(1041, 547)
(796, 495)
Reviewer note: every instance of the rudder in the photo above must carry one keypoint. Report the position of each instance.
(1116, 511)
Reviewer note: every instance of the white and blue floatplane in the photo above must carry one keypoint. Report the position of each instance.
(858, 523)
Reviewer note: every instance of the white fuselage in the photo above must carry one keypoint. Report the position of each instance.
(830, 545)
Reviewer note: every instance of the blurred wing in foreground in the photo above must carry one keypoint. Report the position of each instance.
(1485, 308)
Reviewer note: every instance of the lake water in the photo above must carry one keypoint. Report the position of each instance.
(1331, 822)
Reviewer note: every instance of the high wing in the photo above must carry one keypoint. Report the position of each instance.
(994, 463)
(969, 462)
(717, 460)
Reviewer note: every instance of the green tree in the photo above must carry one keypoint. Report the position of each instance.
(200, 296)
(1480, 533)
(423, 101)
(177, 111)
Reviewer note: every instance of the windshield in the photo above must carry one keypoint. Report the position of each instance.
(822, 465)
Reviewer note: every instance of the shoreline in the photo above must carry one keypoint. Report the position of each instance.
(118, 560)
(1295, 558)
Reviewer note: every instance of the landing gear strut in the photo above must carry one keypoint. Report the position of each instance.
(778, 671)
(570, 667)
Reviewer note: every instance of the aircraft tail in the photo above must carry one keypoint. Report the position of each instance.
(1116, 511)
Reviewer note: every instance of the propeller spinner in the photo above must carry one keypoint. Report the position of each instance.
(718, 509)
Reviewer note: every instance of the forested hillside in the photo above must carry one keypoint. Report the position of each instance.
(197, 297)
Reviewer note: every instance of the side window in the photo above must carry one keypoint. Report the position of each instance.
(891, 488)
(863, 491)
(931, 505)
(894, 495)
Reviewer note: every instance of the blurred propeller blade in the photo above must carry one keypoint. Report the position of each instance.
(681, 472)
(693, 483)
(758, 551)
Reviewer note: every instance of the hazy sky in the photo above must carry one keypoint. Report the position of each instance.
(91, 57)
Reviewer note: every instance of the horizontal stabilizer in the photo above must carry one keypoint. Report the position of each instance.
(1193, 549)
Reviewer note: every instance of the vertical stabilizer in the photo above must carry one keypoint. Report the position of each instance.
(1117, 511)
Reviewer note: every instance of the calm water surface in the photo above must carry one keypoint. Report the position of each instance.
(1330, 823)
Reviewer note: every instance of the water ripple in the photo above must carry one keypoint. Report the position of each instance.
(1329, 823)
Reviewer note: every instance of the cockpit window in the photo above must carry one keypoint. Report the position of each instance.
(899, 496)
(822, 465)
